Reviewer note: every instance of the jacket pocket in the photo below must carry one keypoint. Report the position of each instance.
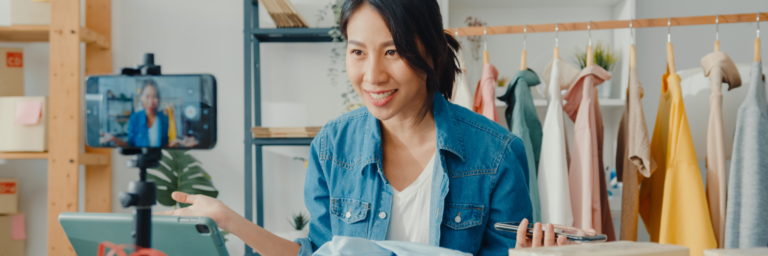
(349, 210)
(463, 216)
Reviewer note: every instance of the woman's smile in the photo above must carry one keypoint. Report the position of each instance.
(380, 98)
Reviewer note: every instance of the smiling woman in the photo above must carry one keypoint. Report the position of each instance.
(409, 166)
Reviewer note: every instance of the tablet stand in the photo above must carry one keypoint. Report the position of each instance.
(142, 194)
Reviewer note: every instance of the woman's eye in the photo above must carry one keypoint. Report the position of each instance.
(391, 52)
(357, 52)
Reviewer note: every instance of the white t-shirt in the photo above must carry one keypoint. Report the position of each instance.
(154, 134)
(410, 209)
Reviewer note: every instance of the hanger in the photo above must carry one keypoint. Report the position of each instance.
(485, 45)
(557, 50)
(523, 65)
(632, 62)
(757, 40)
(670, 51)
(590, 55)
(717, 32)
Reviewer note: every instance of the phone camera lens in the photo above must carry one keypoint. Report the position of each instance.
(203, 229)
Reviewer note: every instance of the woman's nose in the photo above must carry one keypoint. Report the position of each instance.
(375, 72)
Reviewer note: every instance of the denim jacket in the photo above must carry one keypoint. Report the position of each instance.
(480, 180)
(138, 130)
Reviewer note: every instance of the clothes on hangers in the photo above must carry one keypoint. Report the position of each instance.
(586, 177)
(554, 191)
(720, 69)
(461, 94)
(485, 94)
(673, 204)
(747, 208)
(524, 123)
(633, 152)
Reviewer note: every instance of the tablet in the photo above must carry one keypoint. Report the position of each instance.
(173, 235)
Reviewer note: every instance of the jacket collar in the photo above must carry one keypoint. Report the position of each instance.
(448, 136)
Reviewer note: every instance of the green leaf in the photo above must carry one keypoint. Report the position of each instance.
(164, 197)
(178, 166)
(161, 182)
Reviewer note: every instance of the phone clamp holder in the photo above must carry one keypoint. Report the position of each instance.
(142, 194)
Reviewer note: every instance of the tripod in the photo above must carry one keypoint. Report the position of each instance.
(142, 194)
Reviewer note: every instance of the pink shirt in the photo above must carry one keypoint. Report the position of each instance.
(485, 96)
(584, 175)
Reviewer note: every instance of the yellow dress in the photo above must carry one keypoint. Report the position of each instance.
(171, 125)
(673, 203)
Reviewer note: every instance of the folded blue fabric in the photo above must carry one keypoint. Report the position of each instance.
(344, 245)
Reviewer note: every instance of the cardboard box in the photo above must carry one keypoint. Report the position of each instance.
(24, 12)
(737, 252)
(20, 135)
(10, 245)
(622, 248)
(9, 196)
(11, 71)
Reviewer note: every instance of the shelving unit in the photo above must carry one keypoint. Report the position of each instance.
(66, 150)
(253, 36)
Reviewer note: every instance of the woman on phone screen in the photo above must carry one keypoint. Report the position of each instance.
(408, 166)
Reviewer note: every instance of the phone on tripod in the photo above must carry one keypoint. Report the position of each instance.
(151, 111)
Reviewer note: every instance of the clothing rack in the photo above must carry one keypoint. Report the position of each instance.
(610, 24)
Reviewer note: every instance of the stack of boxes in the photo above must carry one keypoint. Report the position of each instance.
(12, 223)
(23, 120)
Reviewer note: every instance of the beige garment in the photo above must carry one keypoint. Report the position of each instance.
(566, 75)
(720, 69)
(634, 144)
(462, 95)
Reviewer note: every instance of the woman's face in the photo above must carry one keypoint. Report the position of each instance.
(149, 99)
(385, 82)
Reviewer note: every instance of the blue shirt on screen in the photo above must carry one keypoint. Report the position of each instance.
(138, 130)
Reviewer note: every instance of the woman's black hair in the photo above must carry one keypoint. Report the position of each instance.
(151, 83)
(412, 22)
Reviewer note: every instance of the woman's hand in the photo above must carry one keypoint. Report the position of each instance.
(187, 142)
(205, 206)
(549, 236)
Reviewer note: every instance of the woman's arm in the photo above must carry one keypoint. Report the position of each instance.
(258, 238)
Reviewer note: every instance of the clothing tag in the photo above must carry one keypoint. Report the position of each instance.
(18, 231)
(28, 112)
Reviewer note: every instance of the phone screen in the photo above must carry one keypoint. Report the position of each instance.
(169, 111)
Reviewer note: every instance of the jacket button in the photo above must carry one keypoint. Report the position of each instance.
(382, 215)
(457, 219)
(349, 214)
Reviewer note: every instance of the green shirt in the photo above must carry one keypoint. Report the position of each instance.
(524, 122)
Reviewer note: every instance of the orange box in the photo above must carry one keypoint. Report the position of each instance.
(9, 196)
(11, 72)
(8, 245)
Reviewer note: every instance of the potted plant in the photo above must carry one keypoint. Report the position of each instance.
(605, 58)
(180, 171)
(298, 222)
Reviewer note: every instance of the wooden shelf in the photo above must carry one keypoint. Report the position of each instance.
(40, 33)
(29, 155)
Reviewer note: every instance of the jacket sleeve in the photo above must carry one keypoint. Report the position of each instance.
(509, 199)
(317, 197)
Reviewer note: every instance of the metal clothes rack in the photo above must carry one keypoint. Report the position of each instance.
(610, 24)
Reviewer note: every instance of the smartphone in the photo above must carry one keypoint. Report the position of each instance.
(167, 111)
(573, 234)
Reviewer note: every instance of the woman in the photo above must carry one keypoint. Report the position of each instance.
(408, 166)
(148, 127)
